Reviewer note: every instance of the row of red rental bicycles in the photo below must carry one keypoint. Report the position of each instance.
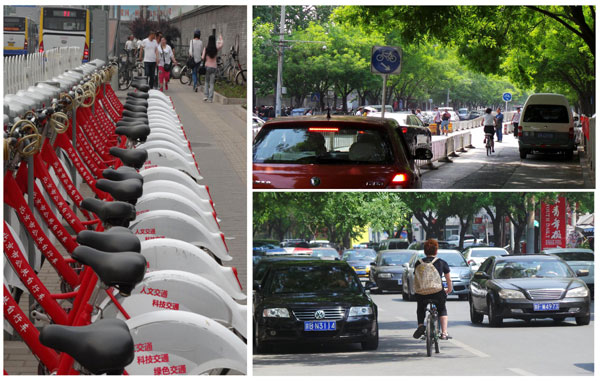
(144, 285)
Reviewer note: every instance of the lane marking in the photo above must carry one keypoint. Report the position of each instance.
(520, 372)
(467, 348)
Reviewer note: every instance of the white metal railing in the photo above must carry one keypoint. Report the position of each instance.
(23, 71)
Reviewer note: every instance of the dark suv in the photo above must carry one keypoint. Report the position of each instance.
(313, 302)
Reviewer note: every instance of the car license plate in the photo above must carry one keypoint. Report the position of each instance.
(399, 282)
(326, 325)
(359, 272)
(545, 135)
(545, 307)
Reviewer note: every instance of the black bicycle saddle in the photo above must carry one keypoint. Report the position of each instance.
(122, 270)
(114, 240)
(135, 107)
(115, 213)
(137, 133)
(103, 347)
(130, 157)
(137, 94)
(122, 173)
(125, 190)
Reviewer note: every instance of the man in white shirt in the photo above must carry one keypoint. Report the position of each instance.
(150, 54)
(515, 121)
(437, 120)
(130, 45)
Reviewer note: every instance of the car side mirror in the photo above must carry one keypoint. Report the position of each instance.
(480, 275)
(373, 264)
(255, 286)
(423, 154)
(583, 272)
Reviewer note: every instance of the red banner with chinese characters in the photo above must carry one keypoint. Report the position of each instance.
(553, 224)
(585, 126)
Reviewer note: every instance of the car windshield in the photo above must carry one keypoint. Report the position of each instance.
(314, 279)
(575, 256)
(453, 259)
(366, 255)
(546, 114)
(531, 269)
(322, 145)
(395, 259)
(324, 252)
(487, 252)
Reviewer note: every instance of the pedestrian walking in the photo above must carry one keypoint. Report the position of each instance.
(437, 120)
(130, 44)
(515, 121)
(445, 122)
(419, 115)
(209, 55)
(150, 55)
(166, 60)
(499, 120)
(195, 51)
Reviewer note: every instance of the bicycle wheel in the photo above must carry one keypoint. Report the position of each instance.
(429, 335)
(185, 76)
(240, 78)
(488, 147)
(436, 336)
(124, 78)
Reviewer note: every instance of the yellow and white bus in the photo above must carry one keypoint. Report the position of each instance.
(64, 27)
(20, 36)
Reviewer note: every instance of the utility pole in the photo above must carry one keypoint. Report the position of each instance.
(280, 63)
(531, 227)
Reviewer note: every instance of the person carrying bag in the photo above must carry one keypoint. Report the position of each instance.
(196, 48)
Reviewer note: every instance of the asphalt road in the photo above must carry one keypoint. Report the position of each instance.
(504, 169)
(541, 348)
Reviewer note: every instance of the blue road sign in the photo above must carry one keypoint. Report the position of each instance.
(386, 59)
(507, 97)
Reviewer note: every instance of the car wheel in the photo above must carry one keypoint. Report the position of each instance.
(523, 153)
(493, 318)
(259, 345)
(372, 342)
(584, 320)
(476, 317)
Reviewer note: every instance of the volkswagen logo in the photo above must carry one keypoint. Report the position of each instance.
(315, 181)
(320, 314)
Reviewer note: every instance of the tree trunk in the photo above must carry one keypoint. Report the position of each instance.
(519, 229)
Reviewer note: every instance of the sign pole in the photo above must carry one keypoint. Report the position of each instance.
(383, 95)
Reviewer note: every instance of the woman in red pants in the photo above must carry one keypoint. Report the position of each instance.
(166, 59)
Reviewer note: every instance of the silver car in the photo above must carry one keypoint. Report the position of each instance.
(460, 273)
(577, 259)
(475, 255)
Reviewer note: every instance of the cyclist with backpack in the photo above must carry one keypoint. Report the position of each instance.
(488, 123)
(428, 286)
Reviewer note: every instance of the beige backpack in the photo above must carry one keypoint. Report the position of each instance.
(427, 278)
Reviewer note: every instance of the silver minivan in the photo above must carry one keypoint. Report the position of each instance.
(546, 125)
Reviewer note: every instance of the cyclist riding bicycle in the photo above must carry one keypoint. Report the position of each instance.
(428, 286)
(488, 124)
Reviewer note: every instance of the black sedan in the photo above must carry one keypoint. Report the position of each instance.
(313, 302)
(528, 287)
(386, 271)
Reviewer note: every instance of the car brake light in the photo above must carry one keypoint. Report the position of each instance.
(323, 129)
(520, 130)
(399, 178)
(42, 47)
(224, 243)
(404, 130)
(236, 277)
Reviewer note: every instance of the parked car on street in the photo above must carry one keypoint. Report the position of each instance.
(460, 273)
(313, 302)
(325, 253)
(528, 287)
(414, 131)
(334, 153)
(360, 261)
(577, 259)
(463, 113)
(393, 243)
(475, 255)
(387, 270)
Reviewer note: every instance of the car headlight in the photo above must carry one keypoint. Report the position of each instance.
(511, 294)
(385, 275)
(465, 275)
(360, 311)
(579, 292)
(276, 313)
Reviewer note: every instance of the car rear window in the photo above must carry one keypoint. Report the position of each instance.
(546, 114)
(395, 259)
(575, 256)
(322, 145)
(313, 279)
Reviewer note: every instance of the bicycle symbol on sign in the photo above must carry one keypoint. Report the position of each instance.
(387, 55)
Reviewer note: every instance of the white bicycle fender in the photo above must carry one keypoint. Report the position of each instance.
(173, 201)
(167, 158)
(166, 173)
(180, 291)
(200, 191)
(171, 224)
(155, 110)
(163, 124)
(155, 94)
(192, 342)
(160, 134)
(171, 132)
(170, 146)
(174, 254)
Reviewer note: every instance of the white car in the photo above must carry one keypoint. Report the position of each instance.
(257, 124)
(475, 256)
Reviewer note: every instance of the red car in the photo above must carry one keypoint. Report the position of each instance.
(333, 153)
